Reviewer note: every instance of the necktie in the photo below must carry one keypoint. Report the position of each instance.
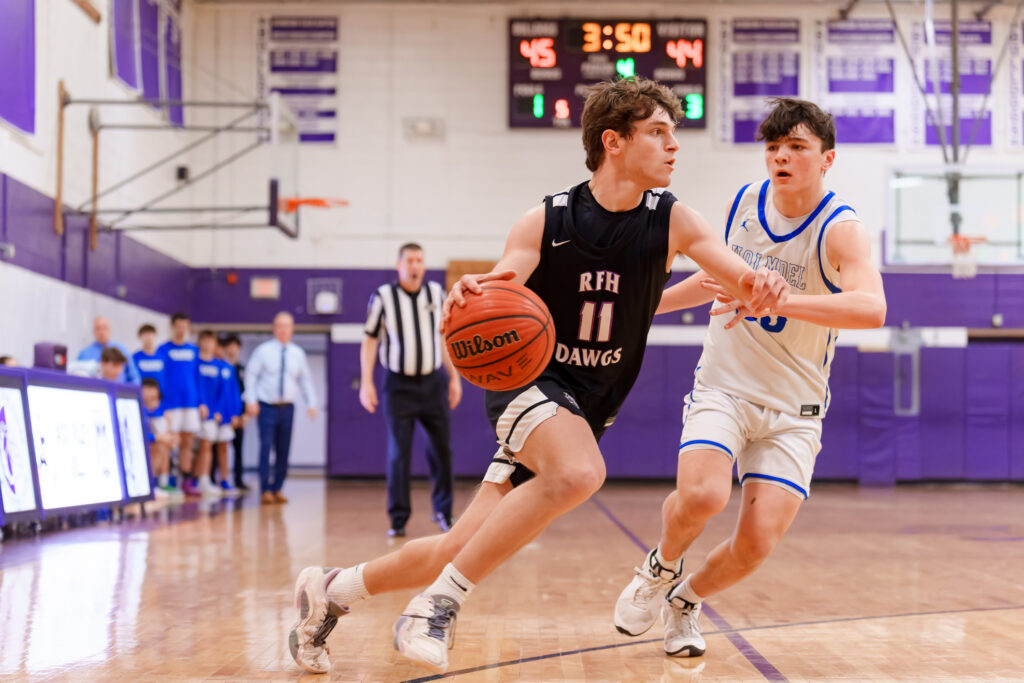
(280, 385)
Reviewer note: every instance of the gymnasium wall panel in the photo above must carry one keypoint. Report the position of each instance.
(28, 224)
(75, 253)
(101, 273)
(840, 452)
(987, 410)
(1016, 392)
(644, 440)
(937, 299)
(877, 424)
(943, 417)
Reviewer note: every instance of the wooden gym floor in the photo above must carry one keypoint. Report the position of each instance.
(914, 583)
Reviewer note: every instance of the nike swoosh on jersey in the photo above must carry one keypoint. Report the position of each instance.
(558, 244)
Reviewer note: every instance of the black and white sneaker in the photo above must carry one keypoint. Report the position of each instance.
(682, 626)
(636, 610)
(317, 616)
(426, 631)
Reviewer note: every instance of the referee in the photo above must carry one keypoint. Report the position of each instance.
(403, 328)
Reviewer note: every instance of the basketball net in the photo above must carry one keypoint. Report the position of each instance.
(965, 264)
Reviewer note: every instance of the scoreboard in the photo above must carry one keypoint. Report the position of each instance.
(552, 62)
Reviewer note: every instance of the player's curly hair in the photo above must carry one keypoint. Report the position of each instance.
(618, 106)
(787, 113)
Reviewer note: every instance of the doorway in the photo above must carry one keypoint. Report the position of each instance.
(309, 437)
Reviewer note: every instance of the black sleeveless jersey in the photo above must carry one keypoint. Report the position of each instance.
(601, 299)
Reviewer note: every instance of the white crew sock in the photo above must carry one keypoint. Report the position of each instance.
(451, 584)
(162, 480)
(674, 565)
(204, 481)
(347, 586)
(686, 592)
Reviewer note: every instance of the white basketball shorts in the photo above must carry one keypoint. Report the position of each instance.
(767, 446)
(158, 425)
(217, 433)
(182, 420)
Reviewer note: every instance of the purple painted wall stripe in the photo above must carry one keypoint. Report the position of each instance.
(152, 279)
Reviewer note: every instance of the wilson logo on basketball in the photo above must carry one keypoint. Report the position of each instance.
(478, 345)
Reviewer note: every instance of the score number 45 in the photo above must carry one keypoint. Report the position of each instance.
(540, 52)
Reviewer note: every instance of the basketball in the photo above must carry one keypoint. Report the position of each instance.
(502, 338)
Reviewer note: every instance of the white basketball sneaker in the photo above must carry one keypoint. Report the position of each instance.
(682, 626)
(317, 617)
(636, 610)
(426, 631)
(209, 490)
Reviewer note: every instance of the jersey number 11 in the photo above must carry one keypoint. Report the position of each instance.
(604, 321)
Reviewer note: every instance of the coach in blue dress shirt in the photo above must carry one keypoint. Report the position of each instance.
(275, 375)
(101, 332)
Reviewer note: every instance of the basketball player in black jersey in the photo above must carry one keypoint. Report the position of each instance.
(599, 255)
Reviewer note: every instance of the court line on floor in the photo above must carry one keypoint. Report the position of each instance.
(764, 667)
(745, 629)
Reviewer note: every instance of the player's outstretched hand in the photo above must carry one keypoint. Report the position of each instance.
(733, 305)
(468, 284)
(769, 290)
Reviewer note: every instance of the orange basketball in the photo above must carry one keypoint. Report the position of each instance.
(502, 338)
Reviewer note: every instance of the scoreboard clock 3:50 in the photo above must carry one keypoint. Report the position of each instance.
(552, 63)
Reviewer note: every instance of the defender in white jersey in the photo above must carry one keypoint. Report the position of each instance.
(761, 386)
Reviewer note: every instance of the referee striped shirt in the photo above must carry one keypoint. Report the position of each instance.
(408, 327)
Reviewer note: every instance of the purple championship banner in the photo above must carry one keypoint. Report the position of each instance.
(124, 42)
(172, 65)
(975, 76)
(143, 57)
(761, 59)
(854, 78)
(298, 59)
(982, 136)
(977, 55)
(861, 75)
(149, 41)
(18, 57)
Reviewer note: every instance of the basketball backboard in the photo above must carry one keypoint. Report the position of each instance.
(920, 226)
